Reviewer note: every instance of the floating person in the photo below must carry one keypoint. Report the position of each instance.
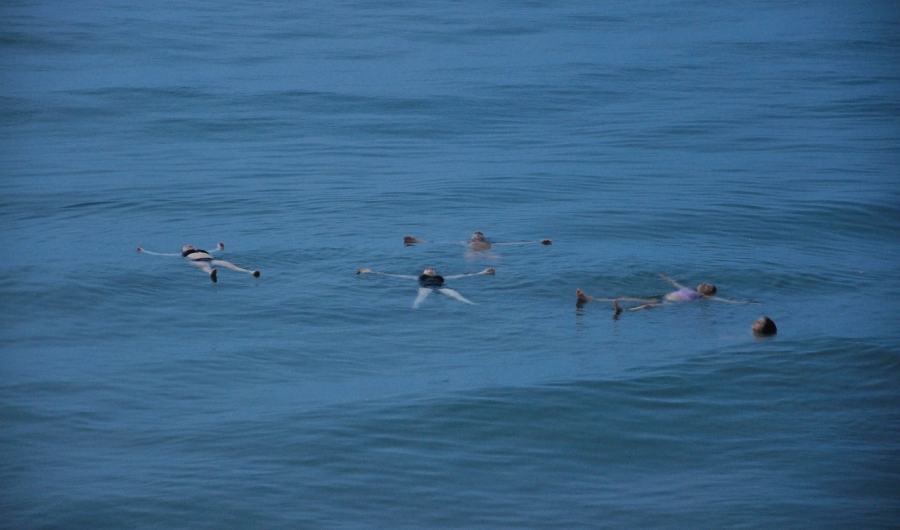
(205, 260)
(764, 326)
(430, 281)
(477, 242)
(704, 291)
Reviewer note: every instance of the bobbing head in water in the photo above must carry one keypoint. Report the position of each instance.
(478, 242)
(706, 289)
(412, 240)
(764, 326)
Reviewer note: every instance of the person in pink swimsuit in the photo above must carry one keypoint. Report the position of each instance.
(704, 291)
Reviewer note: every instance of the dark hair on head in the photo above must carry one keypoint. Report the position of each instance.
(706, 288)
(764, 326)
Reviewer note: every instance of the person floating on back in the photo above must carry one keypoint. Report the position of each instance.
(477, 243)
(704, 291)
(204, 260)
(430, 281)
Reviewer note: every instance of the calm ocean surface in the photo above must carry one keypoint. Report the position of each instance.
(752, 145)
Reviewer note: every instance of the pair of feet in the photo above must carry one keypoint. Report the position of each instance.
(581, 298)
(214, 275)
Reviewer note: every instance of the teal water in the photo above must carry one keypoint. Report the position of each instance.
(753, 146)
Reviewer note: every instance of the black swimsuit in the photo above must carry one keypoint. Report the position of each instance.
(187, 254)
(431, 281)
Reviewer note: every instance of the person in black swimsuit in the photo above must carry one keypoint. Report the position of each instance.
(430, 281)
(430, 278)
(204, 259)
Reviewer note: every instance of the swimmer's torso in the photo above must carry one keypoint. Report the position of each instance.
(196, 254)
(683, 295)
(426, 280)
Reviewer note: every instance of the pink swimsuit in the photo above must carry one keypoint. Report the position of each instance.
(683, 295)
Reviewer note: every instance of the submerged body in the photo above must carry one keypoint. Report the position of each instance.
(477, 243)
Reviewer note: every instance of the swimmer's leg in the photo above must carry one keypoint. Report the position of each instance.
(453, 294)
(232, 266)
(423, 294)
(632, 299)
(205, 266)
(582, 298)
(645, 306)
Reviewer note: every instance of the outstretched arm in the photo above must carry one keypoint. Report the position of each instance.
(145, 251)
(727, 301)
(458, 276)
(673, 282)
(370, 271)
(542, 241)
(219, 247)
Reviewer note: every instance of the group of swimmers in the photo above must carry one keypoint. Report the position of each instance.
(430, 281)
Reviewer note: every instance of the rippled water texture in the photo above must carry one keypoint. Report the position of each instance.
(754, 146)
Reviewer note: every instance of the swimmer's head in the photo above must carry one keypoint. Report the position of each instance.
(764, 326)
(429, 272)
(187, 248)
(706, 289)
(478, 236)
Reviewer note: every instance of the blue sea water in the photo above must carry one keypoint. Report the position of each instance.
(752, 145)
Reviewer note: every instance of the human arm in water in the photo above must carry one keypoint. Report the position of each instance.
(541, 241)
(484, 245)
(370, 271)
(458, 276)
(673, 282)
(142, 250)
(728, 301)
(219, 247)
